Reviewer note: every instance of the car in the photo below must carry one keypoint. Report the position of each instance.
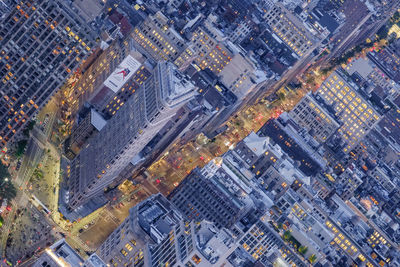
(18, 165)
(80, 231)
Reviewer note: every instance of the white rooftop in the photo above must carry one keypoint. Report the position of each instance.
(362, 66)
(97, 120)
(256, 143)
(94, 261)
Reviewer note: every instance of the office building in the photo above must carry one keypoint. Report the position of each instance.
(154, 234)
(238, 76)
(90, 122)
(212, 246)
(261, 239)
(257, 153)
(210, 52)
(241, 31)
(312, 115)
(84, 84)
(42, 43)
(128, 132)
(356, 115)
(349, 181)
(121, 84)
(157, 39)
(366, 72)
(61, 254)
(214, 193)
(290, 30)
(388, 60)
(292, 144)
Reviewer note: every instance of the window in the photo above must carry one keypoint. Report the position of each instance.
(128, 247)
(123, 252)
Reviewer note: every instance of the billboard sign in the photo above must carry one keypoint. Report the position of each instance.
(122, 73)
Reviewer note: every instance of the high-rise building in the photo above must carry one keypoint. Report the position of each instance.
(128, 132)
(238, 76)
(154, 234)
(241, 31)
(58, 254)
(284, 134)
(357, 116)
(61, 254)
(210, 52)
(42, 43)
(121, 84)
(88, 80)
(214, 193)
(261, 239)
(290, 30)
(257, 153)
(313, 116)
(158, 39)
(350, 180)
(90, 122)
(106, 98)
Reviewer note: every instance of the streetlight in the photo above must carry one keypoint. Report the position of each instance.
(5, 180)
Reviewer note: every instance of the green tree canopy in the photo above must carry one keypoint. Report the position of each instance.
(3, 172)
(20, 148)
(312, 258)
(7, 189)
(303, 250)
(287, 235)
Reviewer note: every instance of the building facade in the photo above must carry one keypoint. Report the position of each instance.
(313, 116)
(42, 43)
(157, 39)
(210, 53)
(127, 133)
(261, 239)
(290, 30)
(154, 234)
(356, 115)
(215, 193)
(83, 84)
(121, 84)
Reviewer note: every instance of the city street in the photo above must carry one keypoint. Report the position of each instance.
(173, 166)
(29, 233)
(36, 147)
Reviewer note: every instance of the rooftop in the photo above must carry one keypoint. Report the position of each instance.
(59, 254)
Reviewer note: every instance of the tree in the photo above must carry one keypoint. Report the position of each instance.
(312, 258)
(287, 235)
(20, 148)
(7, 189)
(326, 70)
(38, 173)
(310, 80)
(303, 250)
(29, 128)
(3, 172)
